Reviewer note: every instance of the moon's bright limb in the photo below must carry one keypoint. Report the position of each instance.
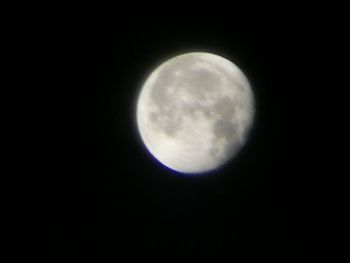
(194, 112)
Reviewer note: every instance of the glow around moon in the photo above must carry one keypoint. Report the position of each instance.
(194, 112)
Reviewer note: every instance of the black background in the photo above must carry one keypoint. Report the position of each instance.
(113, 199)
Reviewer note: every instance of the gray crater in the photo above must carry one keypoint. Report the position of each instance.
(202, 83)
(225, 129)
(166, 120)
(225, 108)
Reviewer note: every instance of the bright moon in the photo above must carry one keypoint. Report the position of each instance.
(194, 112)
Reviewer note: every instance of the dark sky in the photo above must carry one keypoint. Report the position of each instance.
(120, 202)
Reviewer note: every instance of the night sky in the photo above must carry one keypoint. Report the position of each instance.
(120, 202)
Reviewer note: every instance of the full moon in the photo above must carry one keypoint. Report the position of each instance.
(194, 112)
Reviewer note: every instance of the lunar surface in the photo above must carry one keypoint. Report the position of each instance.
(194, 112)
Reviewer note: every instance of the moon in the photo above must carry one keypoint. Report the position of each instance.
(194, 112)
